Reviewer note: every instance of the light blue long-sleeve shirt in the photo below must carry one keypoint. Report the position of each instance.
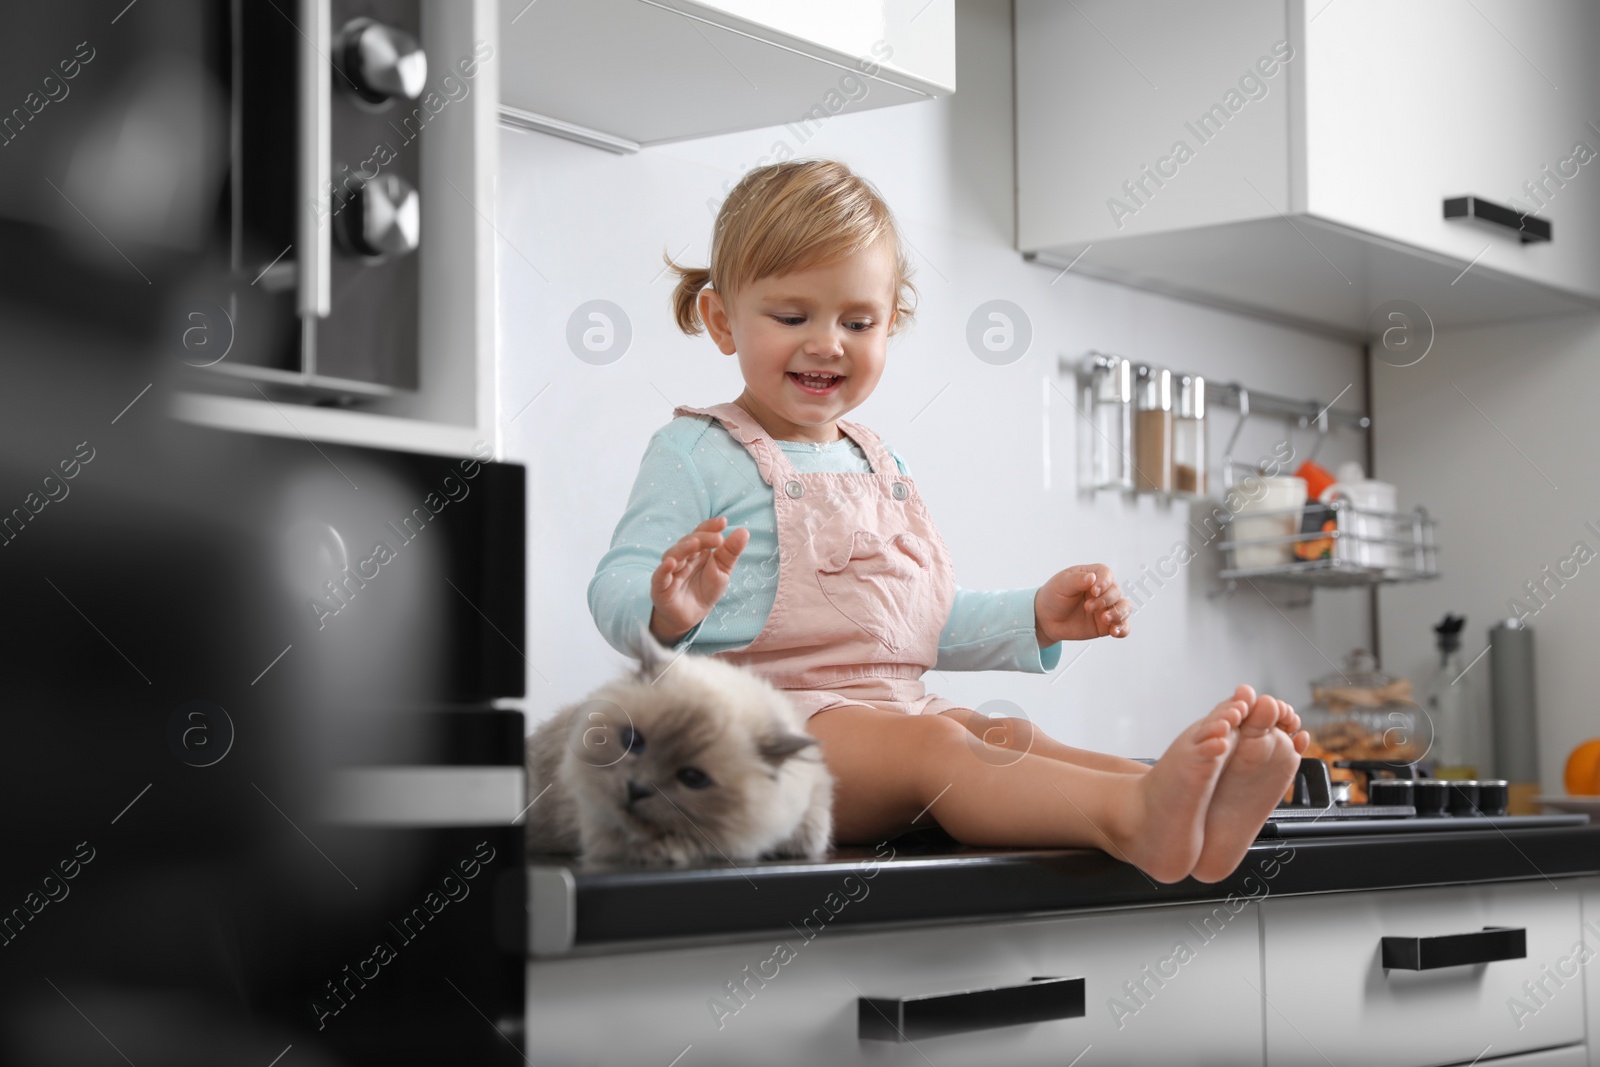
(693, 469)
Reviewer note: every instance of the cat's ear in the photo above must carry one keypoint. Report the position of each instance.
(653, 658)
(775, 748)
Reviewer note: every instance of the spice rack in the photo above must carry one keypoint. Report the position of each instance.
(1332, 545)
(1143, 427)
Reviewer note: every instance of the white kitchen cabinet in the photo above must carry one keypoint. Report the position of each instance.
(624, 73)
(1291, 160)
(1571, 1056)
(1591, 975)
(1146, 1000)
(1330, 996)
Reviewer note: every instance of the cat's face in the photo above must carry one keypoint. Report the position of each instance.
(689, 747)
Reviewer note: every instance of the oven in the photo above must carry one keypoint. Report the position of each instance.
(265, 777)
(328, 101)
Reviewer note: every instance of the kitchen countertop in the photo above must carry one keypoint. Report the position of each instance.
(925, 877)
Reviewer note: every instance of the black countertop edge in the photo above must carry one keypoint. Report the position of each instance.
(862, 888)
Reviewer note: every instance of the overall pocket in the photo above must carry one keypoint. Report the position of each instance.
(882, 585)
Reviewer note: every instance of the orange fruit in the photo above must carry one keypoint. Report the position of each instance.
(1583, 769)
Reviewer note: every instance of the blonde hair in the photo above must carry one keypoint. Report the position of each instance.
(790, 217)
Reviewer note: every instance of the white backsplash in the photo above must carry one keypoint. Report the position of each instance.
(992, 447)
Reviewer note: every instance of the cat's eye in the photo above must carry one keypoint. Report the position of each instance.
(694, 777)
(631, 740)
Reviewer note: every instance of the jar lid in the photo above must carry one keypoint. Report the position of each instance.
(1155, 387)
(1191, 397)
(1112, 377)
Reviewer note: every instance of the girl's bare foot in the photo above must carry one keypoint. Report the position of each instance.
(1258, 773)
(1162, 831)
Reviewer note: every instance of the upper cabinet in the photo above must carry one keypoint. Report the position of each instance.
(1293, 160)
(624, 73)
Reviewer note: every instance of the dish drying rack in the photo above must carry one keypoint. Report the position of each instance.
(1363, 547)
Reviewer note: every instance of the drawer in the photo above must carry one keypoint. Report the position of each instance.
(1329, 996)
(1161, 985)
(1571, 1056)
(1591, 978)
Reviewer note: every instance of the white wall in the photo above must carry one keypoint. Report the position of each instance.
(1512, 486)
(995, 461)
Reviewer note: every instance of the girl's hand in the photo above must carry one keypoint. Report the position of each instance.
(692, 577)
(1080, 603)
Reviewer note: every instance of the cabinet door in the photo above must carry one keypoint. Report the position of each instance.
(1407, 104)
(1162, 985)
(1329, 994)
(1148, 118)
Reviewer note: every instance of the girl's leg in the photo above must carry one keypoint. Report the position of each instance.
(1021, 735)
(890, 768)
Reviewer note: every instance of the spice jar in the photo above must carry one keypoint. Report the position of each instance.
(1152, 464)
(1189, 437)
(1107, 448)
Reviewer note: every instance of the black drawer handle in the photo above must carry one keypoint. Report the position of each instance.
(913, 1018)
(1527, 227)
(1455, 950)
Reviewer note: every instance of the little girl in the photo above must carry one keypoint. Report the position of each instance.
(834, 584)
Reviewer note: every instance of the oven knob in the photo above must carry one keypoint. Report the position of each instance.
(380, 62)
(382, 218)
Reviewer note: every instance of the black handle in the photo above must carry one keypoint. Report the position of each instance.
(1455, 950)
(912, 1018)
(1312, 786)
(1527, 227)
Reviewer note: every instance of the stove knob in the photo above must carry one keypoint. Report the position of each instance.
(379, 62)
(382, 218)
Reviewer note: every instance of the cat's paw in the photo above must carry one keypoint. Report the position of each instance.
(811, 839)
(664, 852)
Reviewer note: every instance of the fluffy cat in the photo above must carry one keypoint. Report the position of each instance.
(686, 760)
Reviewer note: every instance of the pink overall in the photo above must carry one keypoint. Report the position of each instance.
(865, 582)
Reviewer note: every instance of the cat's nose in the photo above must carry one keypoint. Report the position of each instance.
(638, 790)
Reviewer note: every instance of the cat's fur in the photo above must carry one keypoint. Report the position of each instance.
(770, 795)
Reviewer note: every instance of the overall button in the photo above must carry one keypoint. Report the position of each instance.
(899, 490)
(794, 488)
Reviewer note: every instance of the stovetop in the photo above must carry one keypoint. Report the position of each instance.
(1351, 819)
(1312, 812)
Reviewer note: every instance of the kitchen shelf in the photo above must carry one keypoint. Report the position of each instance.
(1366, 547)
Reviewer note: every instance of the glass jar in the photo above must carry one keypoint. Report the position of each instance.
(1360, 713)
(1106, 449)
(1152, 460)
(1189, 437)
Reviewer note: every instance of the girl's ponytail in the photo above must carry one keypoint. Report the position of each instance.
(686, 295)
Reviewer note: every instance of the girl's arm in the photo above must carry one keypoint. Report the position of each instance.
(994, 630)
(668, 500)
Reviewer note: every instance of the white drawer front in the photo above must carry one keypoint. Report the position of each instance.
(1146, 999)
(1591, 978)
(1571, 1056)
(1329, 998)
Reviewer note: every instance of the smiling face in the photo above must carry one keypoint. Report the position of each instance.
(831, 320)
